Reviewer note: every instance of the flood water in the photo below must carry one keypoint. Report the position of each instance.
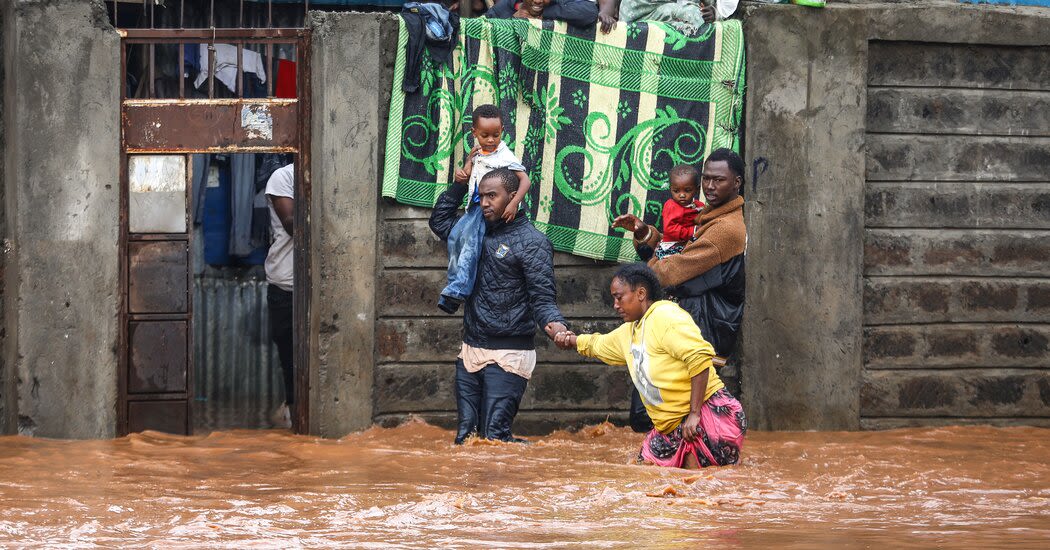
(409, 487)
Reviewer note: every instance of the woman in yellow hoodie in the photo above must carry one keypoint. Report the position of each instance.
(697, 422)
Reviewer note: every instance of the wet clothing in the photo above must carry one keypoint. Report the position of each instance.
(722, 429)
(515, 291)
(663, 351)
(578, 13)
(487, 402)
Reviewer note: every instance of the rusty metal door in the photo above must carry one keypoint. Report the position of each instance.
(158, 137)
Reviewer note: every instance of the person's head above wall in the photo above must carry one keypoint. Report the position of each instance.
(722, 178)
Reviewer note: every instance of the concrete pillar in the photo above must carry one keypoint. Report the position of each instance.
(61, 132)
(346, 95)
(805, 107)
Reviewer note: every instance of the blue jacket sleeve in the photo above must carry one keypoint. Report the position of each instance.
(538, 262)
(578, 13)
(445, 214)
(503, 9)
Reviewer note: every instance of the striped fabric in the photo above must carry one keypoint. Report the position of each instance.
(598, 120)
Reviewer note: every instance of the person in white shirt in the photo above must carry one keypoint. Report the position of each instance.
(280, 192)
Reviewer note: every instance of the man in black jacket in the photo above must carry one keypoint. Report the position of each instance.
(513, 294)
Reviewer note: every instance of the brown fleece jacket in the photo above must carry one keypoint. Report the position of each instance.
(720, 237)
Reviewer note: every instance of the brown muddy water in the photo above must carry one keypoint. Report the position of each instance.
(408, 487)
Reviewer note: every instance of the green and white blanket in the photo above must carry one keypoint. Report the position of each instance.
(598, 120)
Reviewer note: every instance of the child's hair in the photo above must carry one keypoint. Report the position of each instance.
(487, 110)
(639, 274)
(506, 176)
(687, 171)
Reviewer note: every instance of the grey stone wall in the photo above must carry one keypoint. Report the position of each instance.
(897, 216)
(61, 159)
(957, 235)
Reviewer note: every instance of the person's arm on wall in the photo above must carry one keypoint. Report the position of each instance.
(607, 14)
(503, 9)
(578, 13)
(445, 214)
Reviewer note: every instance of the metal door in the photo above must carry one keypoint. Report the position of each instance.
(158, 137)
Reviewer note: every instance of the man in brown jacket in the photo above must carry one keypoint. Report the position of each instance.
(707, 278)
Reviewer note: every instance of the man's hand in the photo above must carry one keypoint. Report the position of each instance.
(565, 340)
(691, 427)
(553, 328)
(523, 14)
(707, 12)
(606, 21)
(631, 223)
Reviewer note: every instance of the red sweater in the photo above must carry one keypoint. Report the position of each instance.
(679, 221)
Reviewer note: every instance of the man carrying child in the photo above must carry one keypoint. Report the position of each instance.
(512, 292)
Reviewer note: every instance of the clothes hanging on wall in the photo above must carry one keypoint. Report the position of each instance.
(432, 31)
(285, 79)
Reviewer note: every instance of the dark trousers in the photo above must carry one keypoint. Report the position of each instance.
(281, 328)
(640, 421)
(487, 402)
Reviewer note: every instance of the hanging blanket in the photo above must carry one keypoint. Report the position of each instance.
(598, 120)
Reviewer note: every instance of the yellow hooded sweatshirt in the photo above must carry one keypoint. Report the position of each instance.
(674, 352)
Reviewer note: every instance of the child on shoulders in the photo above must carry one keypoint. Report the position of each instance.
(465, 240)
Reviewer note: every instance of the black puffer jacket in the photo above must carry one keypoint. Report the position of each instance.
(715, 300)
(514, 289)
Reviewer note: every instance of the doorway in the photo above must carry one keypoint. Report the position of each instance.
(197, 153)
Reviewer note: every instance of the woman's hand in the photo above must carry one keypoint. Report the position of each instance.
(565, 340)
(606, 21)
(691, 427)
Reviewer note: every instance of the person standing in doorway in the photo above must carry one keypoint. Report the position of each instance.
(280, 190)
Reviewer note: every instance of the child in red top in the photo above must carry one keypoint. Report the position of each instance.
(680, 211)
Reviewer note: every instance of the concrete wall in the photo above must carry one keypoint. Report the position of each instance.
(897, 261)
(898, 233)
(381, 348)
(61, 110)
(345, 168)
